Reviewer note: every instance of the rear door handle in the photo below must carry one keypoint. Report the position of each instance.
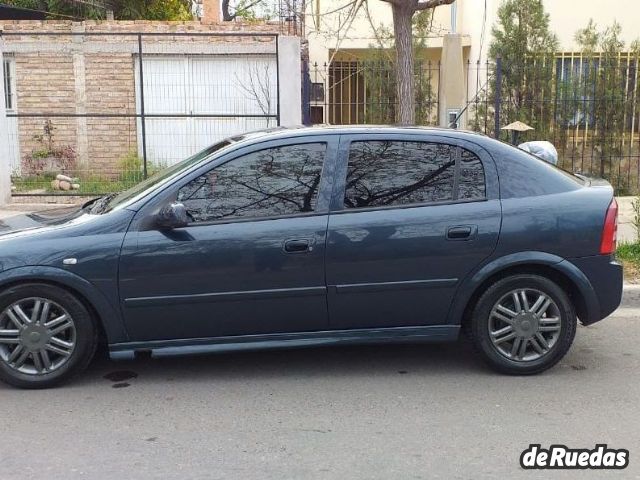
(298, 245)
(462, 232)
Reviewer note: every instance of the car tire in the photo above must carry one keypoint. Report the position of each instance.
(54, 343)
(546, 335)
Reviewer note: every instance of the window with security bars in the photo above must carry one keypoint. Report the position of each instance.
(9, 84)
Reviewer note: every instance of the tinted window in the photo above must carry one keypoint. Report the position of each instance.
(384, 173)
(271, 182)
(471, 184)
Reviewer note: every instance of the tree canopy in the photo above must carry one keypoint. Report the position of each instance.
(122, 9)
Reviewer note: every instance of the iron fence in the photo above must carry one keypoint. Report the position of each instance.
(364, 92)
(586, 106)
(95, 112)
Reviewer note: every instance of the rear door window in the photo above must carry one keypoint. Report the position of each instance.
(388, 173)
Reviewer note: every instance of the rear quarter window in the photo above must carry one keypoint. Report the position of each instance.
(525, 175)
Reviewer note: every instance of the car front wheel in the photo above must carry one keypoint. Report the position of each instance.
(47, 335)
(523, 324)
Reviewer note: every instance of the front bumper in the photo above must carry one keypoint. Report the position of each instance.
(605, 275)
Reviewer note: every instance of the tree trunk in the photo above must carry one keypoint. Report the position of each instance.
(405, 98)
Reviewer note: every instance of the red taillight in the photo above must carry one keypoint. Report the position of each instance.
(610, 230)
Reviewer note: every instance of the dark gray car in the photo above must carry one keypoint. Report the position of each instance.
(319, 236)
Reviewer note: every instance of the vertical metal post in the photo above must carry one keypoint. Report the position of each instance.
(306, 94)
(278, 78)
(142, 117)
(497, 99)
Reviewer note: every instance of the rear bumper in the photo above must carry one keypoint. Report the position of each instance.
(605, 276)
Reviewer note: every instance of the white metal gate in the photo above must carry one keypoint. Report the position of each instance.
(9, 74)
(193, 101)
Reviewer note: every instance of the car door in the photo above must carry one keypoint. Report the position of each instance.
(411, 216)
(251, 261)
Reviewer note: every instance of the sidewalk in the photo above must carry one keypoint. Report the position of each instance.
(626, 230)
(7, 211)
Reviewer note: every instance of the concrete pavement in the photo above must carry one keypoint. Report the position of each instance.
(626, 230)
(383, 412)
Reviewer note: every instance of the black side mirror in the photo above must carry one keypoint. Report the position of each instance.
(173, 215)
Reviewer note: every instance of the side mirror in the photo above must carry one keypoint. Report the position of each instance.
(173, 215)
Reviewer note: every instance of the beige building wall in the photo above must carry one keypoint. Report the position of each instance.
(328, 29)
(569, 16)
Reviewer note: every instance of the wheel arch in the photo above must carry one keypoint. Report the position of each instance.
(90, 296)
(555, 268)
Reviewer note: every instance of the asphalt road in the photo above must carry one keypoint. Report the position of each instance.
(394, 412)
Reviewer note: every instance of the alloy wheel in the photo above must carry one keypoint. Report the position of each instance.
(37, 336)
(524, 325)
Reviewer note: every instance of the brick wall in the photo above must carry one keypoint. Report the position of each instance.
(110, 88)
(48, 84)
(96, 74)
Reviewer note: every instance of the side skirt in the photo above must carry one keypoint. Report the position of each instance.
(197, 346)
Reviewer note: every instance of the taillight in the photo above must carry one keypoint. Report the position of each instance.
(610, 230)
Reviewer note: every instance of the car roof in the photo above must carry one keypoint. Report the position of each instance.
(299, 131)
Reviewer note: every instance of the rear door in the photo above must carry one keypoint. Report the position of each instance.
(411, 216)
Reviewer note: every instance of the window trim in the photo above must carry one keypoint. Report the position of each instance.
(337, 202)
(318, 210)
(405, 206)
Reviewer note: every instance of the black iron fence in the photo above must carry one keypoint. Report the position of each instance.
(364, 92)
(586, 106)
(95, 112)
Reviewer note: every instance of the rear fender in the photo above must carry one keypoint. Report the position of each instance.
(473, 281)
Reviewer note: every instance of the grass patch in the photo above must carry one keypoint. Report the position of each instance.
(629, 252)
(128, 173)
(89, 185)
(629, 255)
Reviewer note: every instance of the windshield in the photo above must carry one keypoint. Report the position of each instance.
(108, 202)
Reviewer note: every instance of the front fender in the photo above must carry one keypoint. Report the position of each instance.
(494, 266)
(110, 317)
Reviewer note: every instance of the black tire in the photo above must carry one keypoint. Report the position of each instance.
(86, 336)
(479, 328)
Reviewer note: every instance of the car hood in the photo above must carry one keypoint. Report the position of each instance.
(46, 218)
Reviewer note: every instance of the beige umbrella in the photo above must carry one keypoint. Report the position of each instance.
(515, 128)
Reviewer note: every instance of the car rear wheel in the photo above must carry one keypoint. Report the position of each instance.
(523, 324)
(47, 335)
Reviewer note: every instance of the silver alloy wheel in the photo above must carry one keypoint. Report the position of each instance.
(37, 336)
(524, 325)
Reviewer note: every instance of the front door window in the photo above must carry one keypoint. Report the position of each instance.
(274, 182)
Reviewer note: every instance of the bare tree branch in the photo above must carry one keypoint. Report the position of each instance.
(259, 88)
(344, 28)
(430, 4)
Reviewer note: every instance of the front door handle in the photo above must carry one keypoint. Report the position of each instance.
(297, 245)
(462, 232)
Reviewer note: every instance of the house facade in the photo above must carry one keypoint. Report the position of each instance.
(344, 37)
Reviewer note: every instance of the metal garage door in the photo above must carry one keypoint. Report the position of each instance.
(194, 101)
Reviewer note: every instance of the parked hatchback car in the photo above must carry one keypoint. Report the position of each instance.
(315, 236)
